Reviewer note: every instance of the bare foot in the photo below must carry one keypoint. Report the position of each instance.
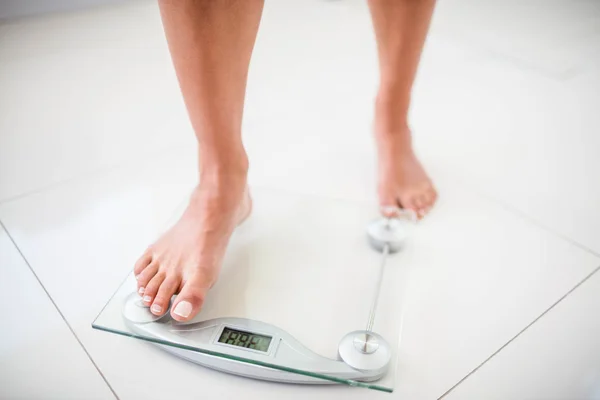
(402, 180)
(187, 258)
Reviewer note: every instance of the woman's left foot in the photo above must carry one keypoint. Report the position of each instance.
(403, 181)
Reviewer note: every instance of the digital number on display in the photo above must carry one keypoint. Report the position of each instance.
(247, 340)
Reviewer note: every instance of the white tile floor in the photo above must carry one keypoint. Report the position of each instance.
(96, 152)
(55, 366)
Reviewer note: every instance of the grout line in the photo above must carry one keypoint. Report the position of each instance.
(58, 310)
(502, 58)
(520, 332)
(94, 172)
(313, 195)
(461, 179)
(543, 227)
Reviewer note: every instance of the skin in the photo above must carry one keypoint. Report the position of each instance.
(400, 28)
(211, 44)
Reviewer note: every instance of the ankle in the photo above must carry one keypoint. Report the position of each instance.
(223, 164)
(225, 191)
(223, 173)
(390, 130)
(391, 115)
(393, 97)
(224, 178)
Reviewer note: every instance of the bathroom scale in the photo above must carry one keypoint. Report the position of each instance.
(310, 292)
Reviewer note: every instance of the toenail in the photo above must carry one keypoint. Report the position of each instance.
(147, 299)
(141, 290)
(137, 277)
(156, 308)
(183, 309)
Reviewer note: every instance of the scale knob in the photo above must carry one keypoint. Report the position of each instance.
(365, 351)
(391, 230)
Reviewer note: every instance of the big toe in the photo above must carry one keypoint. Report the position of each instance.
(430, 195)
(189, 301)
(388, 198)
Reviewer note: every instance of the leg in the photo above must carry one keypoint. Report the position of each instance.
(400, 28)
(210, 43)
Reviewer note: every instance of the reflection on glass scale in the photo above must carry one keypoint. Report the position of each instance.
(250, 346)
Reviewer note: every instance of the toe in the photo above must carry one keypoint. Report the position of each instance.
(389, 206)
(429, 196)
(387, 195)
(142, 262)
(167, 289)
(432, 196)
(418, 201)
(427, 199)
(424, 204)
(189, 302)
(410, 201)
(152, 288)
(146, 276)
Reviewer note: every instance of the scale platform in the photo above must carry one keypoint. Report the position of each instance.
(305, 296)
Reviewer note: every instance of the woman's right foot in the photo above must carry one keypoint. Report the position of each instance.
(187, 258)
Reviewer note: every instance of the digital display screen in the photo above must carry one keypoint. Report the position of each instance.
(247, 340)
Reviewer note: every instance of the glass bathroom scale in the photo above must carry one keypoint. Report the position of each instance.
(310, 292)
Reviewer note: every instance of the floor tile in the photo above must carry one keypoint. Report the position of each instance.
(50, 366)
(84, 91)
(309, 107)
(525, 140)
(556, 358)
(18, 9)
(554, 38)
(119, 98)
(479, 275)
